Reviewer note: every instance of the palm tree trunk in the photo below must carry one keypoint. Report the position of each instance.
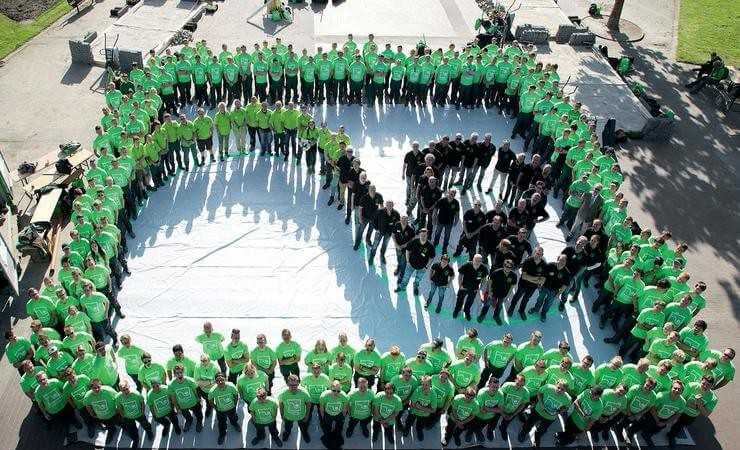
(615, 15)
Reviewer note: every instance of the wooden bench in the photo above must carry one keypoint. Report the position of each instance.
(76, 4)
(49, 174)
(46, 207)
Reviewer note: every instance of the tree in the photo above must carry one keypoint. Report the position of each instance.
(615, 15)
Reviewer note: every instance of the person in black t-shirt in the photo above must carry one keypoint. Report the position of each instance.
(527, 175)
(533, 277)
(440, 276)
(486, 150)
(470, 276)
(422, 179)
(536, 211)
(489, 237)
(419, 253)
(470, 159)
(454, 158)
(344, 166)
(520, 246)
(595, 258)
(502, 253)
(356, 188)
(498, 210)
(448, 214)
(384, 222)
(557, 278)
(473, 219)
(369, 204)
(428, 194)
(498, 286)
(577, 256)
(518, 217)
(504, 159)
(410, 162)
(514, 170)
(402, 235)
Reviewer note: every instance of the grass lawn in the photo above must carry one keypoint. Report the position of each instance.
(709, 25)
(14, 34)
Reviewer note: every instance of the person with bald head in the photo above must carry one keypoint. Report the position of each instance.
(470, 277)
(557, 279)
(532, 278)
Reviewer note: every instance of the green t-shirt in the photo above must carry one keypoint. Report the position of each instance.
(248, 387)
(28, 381)
(466, 344)
(159, 402)
(613, 403)
(224, 398)
(294, 404)
(551, 402)
(488, 401)
(102, 403)
(308, 72)
(263, 358)
(186, 363)
(288, 350)
(233, 352)
(42, 309)
(185, 392)
(607, 377)
(132, 357)
(387, 406)
(512, 397)
(333, 404)
(365, 362)
(390, 365)
(464, 375)
(639, 400)
(527, 355)
(666, 406)
(131, 405)
(343, 374)
(649, 319)
(592, 410)
(403, 387)
(315, 386)
(463, 408)
(263, 412)
(426, 399)
(443, 390)
(203, 130)
(17, 351)
(105, 369)
(631, 376)
(152, 372)
(360, 404)
(78, 391)
(52, 396)
(534, 379)
(690, 394)
(419, 369)
(223, 123)
(212, 344)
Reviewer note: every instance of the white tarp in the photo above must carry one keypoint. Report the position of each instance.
(251, 244)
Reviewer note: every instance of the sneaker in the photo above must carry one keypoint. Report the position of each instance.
(340, 206)
(331, 201)
(255, 441)
(221, 439)
(346, 221)
(531, 311)
(277, 441)
(306, 438)
(389, 436)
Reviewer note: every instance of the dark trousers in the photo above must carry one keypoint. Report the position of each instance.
(188, 414)
(496, 303)
(447, 228)
(288, 369)
(332, 425)
(488, 372)
(288, 427)
(540, 422)
(223, 416)
(523, 122)
(291, 89)
(215, 93)
(465, 299)
(169, 419)
(355, 92)
(276, 90)
(468, 243)
(570, 434)
(246, 85)
(440, 94)
(363, 425)
(523, 293)
(183, 88)
(307, 93)
(129, 427)
(201, 94)
(260, 90)
(260, 430)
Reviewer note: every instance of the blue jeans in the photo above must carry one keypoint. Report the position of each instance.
(544, 301)
(385, 237)
(447, 228)
(265, 136)
(417, 274)
(401, 260)
(441, 291)
(360, 226)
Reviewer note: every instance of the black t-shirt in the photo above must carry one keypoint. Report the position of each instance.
(514, 170)
(444, 153)
(419, 177)
(576, 260)
(473, 220)
(500, 256)
(472, 277)
(420, 254)
(556, 278)
(344, 164)
(469, 152)
(535, 213)
(403, 236)
(385, 222)
(595, 255)
(603, 242)
(354, 177)
(447, 210)
(485, 153)
(505, 158)
(429, 195)
(455, 155)
(493, 213)
(359, 190)
(533, 268)
(501, 282)
(441, 275)
(519, 248)
(411, 161)
(370, 204)
(489, 237)
(518, 219)
(526, 175)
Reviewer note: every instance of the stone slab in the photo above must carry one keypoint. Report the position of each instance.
(540, 12)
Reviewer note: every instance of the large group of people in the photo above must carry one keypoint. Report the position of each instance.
(664, 376)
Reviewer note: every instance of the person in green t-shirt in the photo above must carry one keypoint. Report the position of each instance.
(199, 70)
(640, 400)
(212, 345)
(461, 416)
(183, 391)
(222, 120)
(308, 80)
(288, 354)
(360, 408)
(162, 407)
(224, 398)
(100, 404)
(130, 404)
(203, 127)
(333, 408)
(669, 406)
(367, 363)
(215, 74)
(315, 384)
(17, 349)
(264, 411)
(465, 373)
(357, 73)
(294, 405)
(587, 409)
(52, 400)
(615, 405)
(552, 401)
(186, 136)
(700, 401)
(387, 407)
(422, 404)
(236, 355)
(514, 399)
